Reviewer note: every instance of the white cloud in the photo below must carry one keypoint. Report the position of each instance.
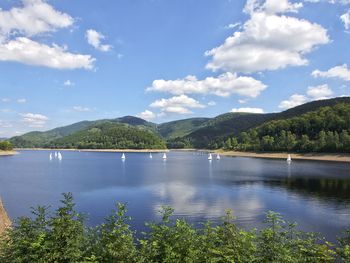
(81, 109)
(248, 110)
(268, 40)
(177, 105)
(293, 101)
(345, 18)
(146, 115)
(5, 100)
(34, 17)
(224, 85)
(342, 2)
(319, 92)
(68, 83)
(211, 103)
(5, 124)
(22, 100)
(94, 39)
(241, 101)
(29, 52)
(232, 26)
(34, 120)
(341, 72)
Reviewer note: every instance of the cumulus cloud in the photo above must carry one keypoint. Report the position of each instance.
(94, 39)
(81, 109)
(345, 18)
(146, 115)
(293, 101)
(34, 120)
(34, 17)
(224, 85)
(340, 72)
(22, 100)
(248, 110)
(319, 92)
(30, 52)
(176, 105)
(269, 40)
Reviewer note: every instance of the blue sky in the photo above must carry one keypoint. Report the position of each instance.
(64, 61)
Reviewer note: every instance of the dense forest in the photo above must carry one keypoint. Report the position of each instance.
(5, 146)
(61, 236)
(324, 130)
(110, 136)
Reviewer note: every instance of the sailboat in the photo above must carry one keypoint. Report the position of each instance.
(210, 157)
(50, 157)
(59, 156)
(218, 157)
(55, 154)
(123, 156)
(289, 159)
(150, 155)
(164, 156)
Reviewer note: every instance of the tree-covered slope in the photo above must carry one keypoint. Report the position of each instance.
(180, 128)
(111, 135)
(219, 128)
(326, 129)
(45, 139)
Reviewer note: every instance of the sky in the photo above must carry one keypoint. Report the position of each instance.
(64, 61)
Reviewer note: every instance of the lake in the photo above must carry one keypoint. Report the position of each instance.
(314, 194)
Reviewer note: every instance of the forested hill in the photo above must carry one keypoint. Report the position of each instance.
(187, 133)
(326, 129)
(216, 130)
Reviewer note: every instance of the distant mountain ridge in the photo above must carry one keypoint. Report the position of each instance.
(192, 132)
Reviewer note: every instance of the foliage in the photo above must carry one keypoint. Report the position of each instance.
(62, 237)
(324, 130)
(5, 146)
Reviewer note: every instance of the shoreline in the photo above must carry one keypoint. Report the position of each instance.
(7, 153)
(5, 221)
(96, 150)
(329, 157)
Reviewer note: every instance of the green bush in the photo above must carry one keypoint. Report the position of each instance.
(62, 237)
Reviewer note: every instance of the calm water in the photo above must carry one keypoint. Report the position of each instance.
(315, 194)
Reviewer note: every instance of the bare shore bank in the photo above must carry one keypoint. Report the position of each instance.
(6, 153)
(5, 221)
(331, 157)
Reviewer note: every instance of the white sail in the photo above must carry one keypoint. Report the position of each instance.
(210, 157)
(55, 154)
(218, 157)
(150, 155)
(164, 156)
(123, 156)
(59, 156)
(50, 156)
(289, 158)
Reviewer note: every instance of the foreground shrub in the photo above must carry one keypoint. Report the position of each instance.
(63, 237)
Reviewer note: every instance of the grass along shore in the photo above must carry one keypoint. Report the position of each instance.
(331, 157)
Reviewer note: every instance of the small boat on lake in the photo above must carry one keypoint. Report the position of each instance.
(164, 156)
(289, 159)
(59, 156)
(50, 156)
(210, 157)
(218, 157)
(123, 156)
(150, 155)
